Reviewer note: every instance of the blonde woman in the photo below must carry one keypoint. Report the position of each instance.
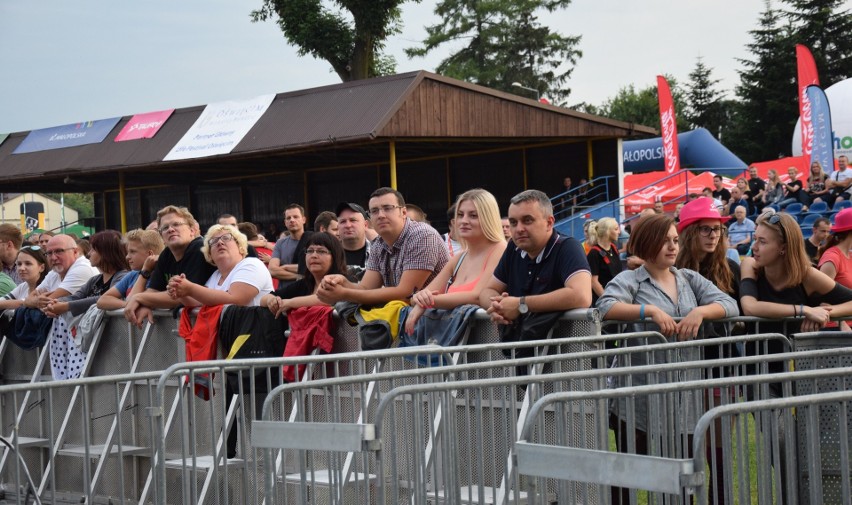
(479, 230)
(603, 257)
(774, 193)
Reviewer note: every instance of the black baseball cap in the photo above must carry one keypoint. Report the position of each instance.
(351, 206)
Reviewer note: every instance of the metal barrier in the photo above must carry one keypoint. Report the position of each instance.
(663, 467)
(460, 456)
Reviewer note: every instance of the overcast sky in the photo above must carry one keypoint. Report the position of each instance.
(65, 62)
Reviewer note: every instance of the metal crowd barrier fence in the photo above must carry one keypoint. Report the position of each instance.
(662, 465)
(466, 434)
(377, 372)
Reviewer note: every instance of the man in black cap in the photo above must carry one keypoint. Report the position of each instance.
(352, 231)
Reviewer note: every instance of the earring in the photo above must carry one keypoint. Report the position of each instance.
(782, 253)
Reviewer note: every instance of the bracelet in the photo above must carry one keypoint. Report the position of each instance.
(802, 309)
(642, 312)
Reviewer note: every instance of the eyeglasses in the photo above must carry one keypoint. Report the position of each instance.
(375, 211)
(775, 219)
(706, 231)
(318, 252)
(222, 238)
(175, 225)
(56, 252)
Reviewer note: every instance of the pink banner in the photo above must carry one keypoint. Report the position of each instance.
(807, 75)
(143, 126)
(668, 125)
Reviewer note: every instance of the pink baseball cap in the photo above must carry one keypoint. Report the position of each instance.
(842, 221)
(698, 209)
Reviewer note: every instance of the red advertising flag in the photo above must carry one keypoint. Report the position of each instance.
(668, 125)
(807, 75)
(143, 126)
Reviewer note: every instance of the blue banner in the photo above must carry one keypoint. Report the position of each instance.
(823, 146)
(78, 134)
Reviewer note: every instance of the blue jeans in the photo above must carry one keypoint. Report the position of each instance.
(438, 326)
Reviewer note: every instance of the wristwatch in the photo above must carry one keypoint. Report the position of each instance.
(146, 274)
(522, 308)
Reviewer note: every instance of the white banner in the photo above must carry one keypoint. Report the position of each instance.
(219, 128)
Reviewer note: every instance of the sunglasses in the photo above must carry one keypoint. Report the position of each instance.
(775, 219)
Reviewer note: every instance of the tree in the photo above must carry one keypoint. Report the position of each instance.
(353, 46)
(83, 203)
(641, 107)
(704, 101)
(506, 43)
(765, 116)
(826, 29)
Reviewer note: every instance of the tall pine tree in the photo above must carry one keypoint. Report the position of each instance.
(825, 27)
(506, 43)
(766, 114)
(704, 101)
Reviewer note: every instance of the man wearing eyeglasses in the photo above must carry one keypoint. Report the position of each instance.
(182, 255)
(406, 256)
(69, 271)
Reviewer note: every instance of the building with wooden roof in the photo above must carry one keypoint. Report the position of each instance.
(430, 136)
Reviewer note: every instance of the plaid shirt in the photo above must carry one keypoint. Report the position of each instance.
(418, 247)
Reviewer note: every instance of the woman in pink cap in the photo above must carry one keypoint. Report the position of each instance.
(834, 257)
(703, 249)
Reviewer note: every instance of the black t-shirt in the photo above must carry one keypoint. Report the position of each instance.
(193, 265)
(756, 185)
(722, 194)
(797, 185)
(812, 251)
(293, 290)
(605, 264)
(356, 261)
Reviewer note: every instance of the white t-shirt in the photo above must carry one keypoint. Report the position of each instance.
(249, 271)
(841, 176)
(80, 272)
(19, 293)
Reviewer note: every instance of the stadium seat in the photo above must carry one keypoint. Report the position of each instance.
(843, 204)
(794, 209)
(807, 233)
(819, 208)
(808, 221)
(831, 217)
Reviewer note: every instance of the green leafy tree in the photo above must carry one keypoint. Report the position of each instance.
(705, 106)
(825, 27)
(763, 120)
(505, 43)
(642, 106)
(350, 37)
(83, 203)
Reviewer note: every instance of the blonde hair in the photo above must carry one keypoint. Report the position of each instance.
(180, 211)
(603, 227)
(488, 212)
(796, 262)
(150, 239)
(242, 241)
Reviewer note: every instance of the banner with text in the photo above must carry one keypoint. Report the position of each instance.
(219, 128)
(71, 135)
(143, 126)
(823, 140)
(807, 75)
(668, 125)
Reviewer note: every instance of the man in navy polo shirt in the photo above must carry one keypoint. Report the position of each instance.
(540, 271)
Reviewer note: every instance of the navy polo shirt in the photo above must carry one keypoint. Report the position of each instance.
(561, 258)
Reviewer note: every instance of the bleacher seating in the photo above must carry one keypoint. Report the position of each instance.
(819, 208)
(840, 205)
(808, 221)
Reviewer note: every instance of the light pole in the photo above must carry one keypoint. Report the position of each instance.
(519, 85)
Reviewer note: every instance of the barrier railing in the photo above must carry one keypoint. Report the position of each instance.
(663, 465)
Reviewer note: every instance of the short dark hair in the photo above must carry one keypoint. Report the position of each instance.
(248, 229)
(225, 216)
(648, 235)
(324, 220)
(111, 249)
(295, 206)
(717, 177)
(389, 191)
(821, 221)
(10, 232)
(338, 255)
